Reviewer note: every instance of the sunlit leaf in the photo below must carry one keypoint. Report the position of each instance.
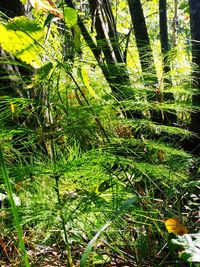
(20, 37)
(12, 107)
(70, 16)
(85, 79)
(77, 35)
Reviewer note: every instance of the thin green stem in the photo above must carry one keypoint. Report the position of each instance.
(56, 176)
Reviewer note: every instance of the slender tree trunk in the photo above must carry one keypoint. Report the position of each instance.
(164, 33)
(104, 21)
(109, 47)
(146, 57)
(169, 118)
(195, 34)
(175, 23)
(142, 40)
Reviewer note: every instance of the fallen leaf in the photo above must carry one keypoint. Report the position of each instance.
(175, 227)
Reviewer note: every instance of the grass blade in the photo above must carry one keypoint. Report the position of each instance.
(13, 207)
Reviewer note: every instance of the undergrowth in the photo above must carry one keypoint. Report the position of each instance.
(95, 185)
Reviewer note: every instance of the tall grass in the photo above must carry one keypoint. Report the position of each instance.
(13, 208)
(87, 159)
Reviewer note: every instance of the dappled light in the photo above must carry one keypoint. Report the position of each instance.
(99, 133)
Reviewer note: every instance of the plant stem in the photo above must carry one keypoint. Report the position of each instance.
(56, 176)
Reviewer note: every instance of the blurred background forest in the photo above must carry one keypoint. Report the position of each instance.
(99, 133)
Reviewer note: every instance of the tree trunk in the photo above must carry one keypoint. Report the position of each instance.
(195, 34)
(114, 68)
(164, 33)
(169, 118)
(108, 46)
(146, 57)
(142, 40)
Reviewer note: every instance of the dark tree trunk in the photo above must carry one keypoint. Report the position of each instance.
(169, 118)
(195, 35)
(105, 24)
(175, 24)
(164, 33)
(146, 56)
(142, 38)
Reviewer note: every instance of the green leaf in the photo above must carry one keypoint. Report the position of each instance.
(89, 247)
(86, 82)
(20, 37)
(77, 36)
(70, 16)
(23, 1)
(23, 24)
(191, 244)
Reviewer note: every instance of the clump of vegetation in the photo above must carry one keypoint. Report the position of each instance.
(99, 142)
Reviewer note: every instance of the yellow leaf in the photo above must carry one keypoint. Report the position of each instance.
(26, 35)
(175, 227)
(12, 106)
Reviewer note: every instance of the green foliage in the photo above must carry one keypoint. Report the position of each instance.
(13, 207)
(88, 249)
(22, 37)
(85, 78)
(70, 16)
(93, 179)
